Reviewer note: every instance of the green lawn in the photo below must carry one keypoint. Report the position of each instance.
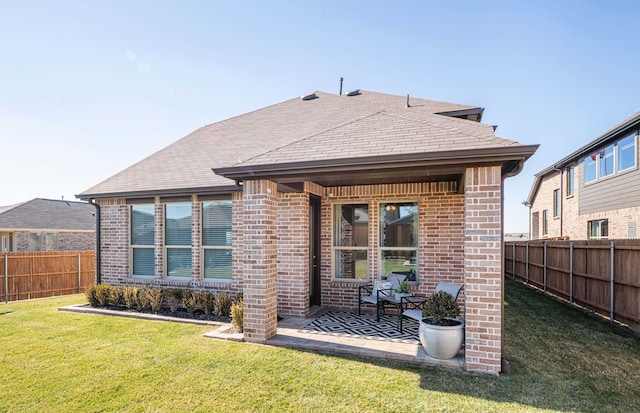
(561, 360)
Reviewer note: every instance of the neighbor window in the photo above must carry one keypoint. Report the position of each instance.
(599, 229)
(143, 240)
(615, 158)
(351, 241)
(399, 238)
(216, 240)
(606, 161)
(35, 241)
(626, 153)
(556, 203)
(570, 180)
(177, 239)
(545, 222)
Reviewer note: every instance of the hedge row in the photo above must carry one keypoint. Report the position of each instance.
(162, 299)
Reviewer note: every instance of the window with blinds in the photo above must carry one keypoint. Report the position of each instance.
(217, 240)
(177, 239)
(143, 240)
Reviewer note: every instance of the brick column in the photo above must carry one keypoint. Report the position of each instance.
(483, 269)
(260, 265)
(159, 238)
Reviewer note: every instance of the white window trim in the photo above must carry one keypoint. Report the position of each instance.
(166, 248)
(416, 248)
(136, 246)
(615, 154)
(335, 248)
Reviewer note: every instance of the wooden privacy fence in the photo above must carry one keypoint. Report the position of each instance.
(603, 276)
(28, 275)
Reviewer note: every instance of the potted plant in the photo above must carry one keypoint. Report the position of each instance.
(441, 334)
(402, 290)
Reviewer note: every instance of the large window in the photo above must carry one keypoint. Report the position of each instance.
(626, 153)
(399, 238)
(557, 201)
(617, 157)
(143, 240)
(216, 239)
(351, 241)
(599, 229)
(177, 239)
(571, 180)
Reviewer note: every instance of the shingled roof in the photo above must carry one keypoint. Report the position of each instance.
(48, 215)
(327, 127)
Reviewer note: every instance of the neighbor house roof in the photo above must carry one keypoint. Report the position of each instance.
(632, 123)
(48, 215)
(329, 127)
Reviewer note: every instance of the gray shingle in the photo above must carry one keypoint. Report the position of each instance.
(330, 126)
(48, 214)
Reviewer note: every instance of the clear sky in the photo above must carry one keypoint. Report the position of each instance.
(88, 88)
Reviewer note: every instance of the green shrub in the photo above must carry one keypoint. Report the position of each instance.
(155, 298)
(192, 301)
(103, 293)
(175, 297)
(116, 296)
(237, 315)
(130, 297)
(142, 300)
(208, 301)
(90, 293)
(438, 306)
(222, 304)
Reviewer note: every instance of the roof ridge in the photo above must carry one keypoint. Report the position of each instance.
(312, 136)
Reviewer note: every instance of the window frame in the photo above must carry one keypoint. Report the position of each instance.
(571, 180)
(415, 249)
(545, 222)
(205, 247)
(133, 247)
(599, 223)
(167, 247)
(615, 155)
(335, 248)
(557, 201)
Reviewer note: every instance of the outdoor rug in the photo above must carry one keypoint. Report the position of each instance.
(364, 326)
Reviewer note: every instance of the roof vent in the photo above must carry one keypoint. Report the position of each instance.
(354, 92)
(310, 96)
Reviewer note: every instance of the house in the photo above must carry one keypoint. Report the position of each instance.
(592, 193)
(299, 203)
(47, 225)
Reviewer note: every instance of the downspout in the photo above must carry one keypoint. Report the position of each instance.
(561, 196)
(98, 255)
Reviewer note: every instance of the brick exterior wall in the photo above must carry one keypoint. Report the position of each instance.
(260, 273)
(440, 239)
(293, 254)
(459, 241)
(54, 241)
(574, 225)
(483, 269)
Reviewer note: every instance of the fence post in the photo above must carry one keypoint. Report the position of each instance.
(6, 278)
(611, 302)
(571, 272)
(544, 267)
(527, 261)
(513, 262)
(79, 273)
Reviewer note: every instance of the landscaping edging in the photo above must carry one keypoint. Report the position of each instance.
(86, 309)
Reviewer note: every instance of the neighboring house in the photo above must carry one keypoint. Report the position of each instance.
(593, 193)
(47, 225)
(312, 197)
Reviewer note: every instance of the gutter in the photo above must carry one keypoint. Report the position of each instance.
(429, 159)
(98, 246)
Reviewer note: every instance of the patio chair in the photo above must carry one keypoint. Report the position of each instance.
(414, 304)
(373, 294)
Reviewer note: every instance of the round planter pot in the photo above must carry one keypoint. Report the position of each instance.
(442, 342)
